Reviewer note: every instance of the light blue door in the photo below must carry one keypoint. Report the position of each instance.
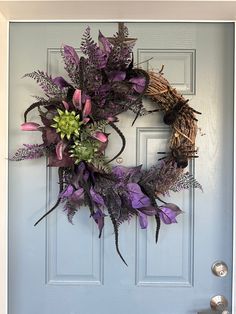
(59, 268)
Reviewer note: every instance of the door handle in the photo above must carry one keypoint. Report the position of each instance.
(219, 304)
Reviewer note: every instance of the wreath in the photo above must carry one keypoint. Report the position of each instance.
(74, 116)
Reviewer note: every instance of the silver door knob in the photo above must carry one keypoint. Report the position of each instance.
(219, 303)
(220, 269)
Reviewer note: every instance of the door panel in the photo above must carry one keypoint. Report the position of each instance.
(65, 269)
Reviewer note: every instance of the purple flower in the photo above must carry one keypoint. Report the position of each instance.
(168, 213)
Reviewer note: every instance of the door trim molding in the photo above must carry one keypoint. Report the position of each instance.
(5, 19)
(4, 31)
(234, 186)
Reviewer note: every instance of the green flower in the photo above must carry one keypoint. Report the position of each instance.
(84, 151)
(67, 123)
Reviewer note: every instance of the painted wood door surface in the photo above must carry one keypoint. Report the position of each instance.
(59, 268)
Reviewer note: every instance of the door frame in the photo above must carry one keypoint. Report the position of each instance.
(9, 12)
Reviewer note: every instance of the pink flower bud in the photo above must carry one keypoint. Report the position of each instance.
(30, 126)
(102, 137)
(87, 107)
(60, 149)
(112, 119)
(77, 98)
(66, 105)
(86, 120)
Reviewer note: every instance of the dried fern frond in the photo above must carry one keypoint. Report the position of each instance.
(29, 151)
(100, 164)
(46, 83)
(96, 57)
(184, 182)
(70, 211)
(71, 64)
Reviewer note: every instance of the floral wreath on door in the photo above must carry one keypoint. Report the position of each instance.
(103, 83)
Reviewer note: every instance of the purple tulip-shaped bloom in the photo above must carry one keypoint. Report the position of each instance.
(168, 213)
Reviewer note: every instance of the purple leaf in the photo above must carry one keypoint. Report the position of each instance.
(149, 210)
(142, 220)
(168, 213)
(138, 199)
(104, 43)
(122, 172)
(138, 83)
(60, 82)
(50, 136)
(66, 161)
(71, 54)
(115, 76)
(82, 172)
(78, 195)
(68, 191)
(98, 217)
(97, 198)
